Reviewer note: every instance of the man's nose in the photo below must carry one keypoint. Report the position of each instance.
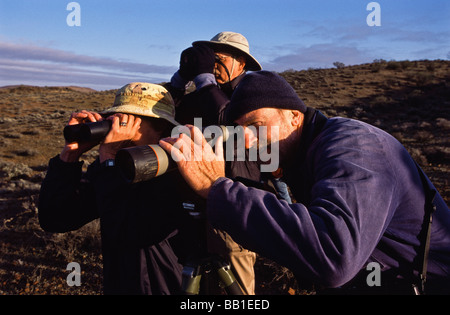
(251, 138)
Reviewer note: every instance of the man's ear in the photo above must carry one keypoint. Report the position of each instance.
(296, 118)
(241, 60)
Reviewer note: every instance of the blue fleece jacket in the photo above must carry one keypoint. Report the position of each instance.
(359, 198)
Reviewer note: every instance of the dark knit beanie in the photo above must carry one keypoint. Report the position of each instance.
(262, 89)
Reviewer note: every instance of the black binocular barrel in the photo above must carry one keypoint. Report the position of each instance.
(88, 132)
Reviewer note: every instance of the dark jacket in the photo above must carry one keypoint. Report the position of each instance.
(136, 222)
(209, 104)
(359, 198)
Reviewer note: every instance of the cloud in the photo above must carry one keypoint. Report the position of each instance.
(424, 37)
(47, 66)
(35, 73)
(319, 45)
(319, 56)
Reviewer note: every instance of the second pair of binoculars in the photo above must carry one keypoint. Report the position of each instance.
(137, 164)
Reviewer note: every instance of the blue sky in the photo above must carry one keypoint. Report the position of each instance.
(123, 41)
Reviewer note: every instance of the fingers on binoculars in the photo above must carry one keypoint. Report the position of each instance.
(218, 145)
(196, 134)
(169, 144)
(119, 118)
(84, 116)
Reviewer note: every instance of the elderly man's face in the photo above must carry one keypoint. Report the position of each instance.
(282, 127)
(234, 65)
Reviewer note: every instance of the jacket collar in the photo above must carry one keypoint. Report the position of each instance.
(313, 124)
(228, 87)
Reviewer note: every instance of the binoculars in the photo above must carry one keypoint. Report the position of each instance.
(88, 132)
(137, 164)
(142, 163)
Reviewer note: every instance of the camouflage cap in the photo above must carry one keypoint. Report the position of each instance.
(144, 99)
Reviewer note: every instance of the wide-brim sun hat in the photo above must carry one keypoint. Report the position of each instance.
(233, 43)
(144, 99)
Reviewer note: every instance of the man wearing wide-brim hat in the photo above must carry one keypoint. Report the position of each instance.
(216, 67)
(233, 56)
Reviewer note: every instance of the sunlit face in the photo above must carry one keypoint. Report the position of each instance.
(278, 126)
(234, 65)
(146, 134)
(270, 119)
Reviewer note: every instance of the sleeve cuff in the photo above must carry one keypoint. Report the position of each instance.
(178, 82)
(70, 166)
(204, 79)
(216, 188)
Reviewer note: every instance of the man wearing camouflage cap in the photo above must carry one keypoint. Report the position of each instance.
(136, 221)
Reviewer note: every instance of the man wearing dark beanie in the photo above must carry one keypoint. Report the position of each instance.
(262, 89)
(361, 217)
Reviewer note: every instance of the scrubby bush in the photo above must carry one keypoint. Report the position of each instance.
(338, 64)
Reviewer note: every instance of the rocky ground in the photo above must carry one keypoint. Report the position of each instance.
(409, 99)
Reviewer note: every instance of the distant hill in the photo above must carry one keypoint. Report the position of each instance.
(32, 87)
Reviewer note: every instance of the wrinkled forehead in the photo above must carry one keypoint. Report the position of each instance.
(223, 54)
(263, 115)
